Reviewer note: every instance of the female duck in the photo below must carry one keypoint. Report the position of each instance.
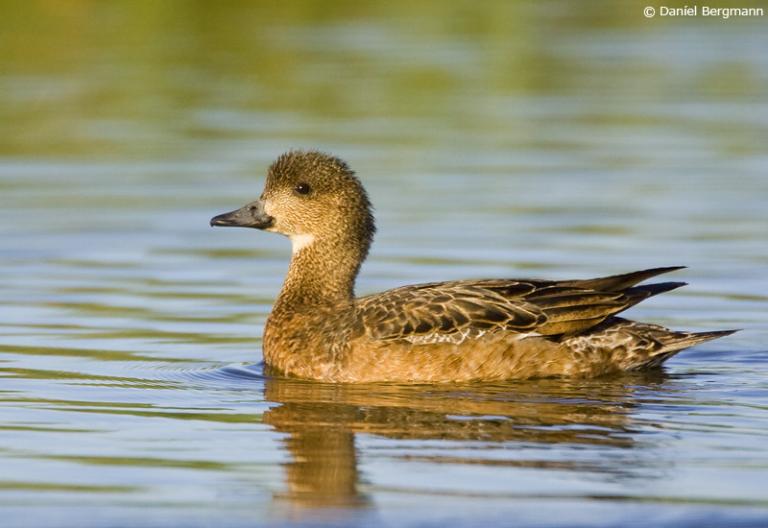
(468, 330)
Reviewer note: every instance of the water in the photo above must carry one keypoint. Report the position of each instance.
(520, 139)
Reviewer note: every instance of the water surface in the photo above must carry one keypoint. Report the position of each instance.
(525, 139)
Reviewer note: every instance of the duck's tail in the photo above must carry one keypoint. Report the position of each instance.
(634, 345)
(673, 342)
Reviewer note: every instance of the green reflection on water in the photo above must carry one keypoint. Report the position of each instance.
(101, 355)
(73, 488)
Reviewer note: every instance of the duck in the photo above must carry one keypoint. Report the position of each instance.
(472, 330)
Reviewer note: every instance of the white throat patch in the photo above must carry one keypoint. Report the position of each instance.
(299, 242)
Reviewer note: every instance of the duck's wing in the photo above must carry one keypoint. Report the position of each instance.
(455, 311)
(449, 311)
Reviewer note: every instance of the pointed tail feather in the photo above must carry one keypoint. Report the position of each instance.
(678, 341)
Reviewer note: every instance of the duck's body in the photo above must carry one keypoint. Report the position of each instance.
(438, 332)
(475, 330)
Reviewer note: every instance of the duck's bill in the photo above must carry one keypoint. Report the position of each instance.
(250, 215)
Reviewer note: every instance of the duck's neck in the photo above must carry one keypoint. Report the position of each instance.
(321, 273)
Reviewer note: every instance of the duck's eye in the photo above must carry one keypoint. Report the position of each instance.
(303, 188)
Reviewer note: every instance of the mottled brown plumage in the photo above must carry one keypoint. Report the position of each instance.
(437, 332)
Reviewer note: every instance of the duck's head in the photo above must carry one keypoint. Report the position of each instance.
(309, 197)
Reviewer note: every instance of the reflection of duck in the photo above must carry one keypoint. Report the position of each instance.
(323, 468)
(321, 421)
(450, 331)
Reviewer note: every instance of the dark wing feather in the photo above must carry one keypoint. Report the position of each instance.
(620, 282)
(454, 311)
